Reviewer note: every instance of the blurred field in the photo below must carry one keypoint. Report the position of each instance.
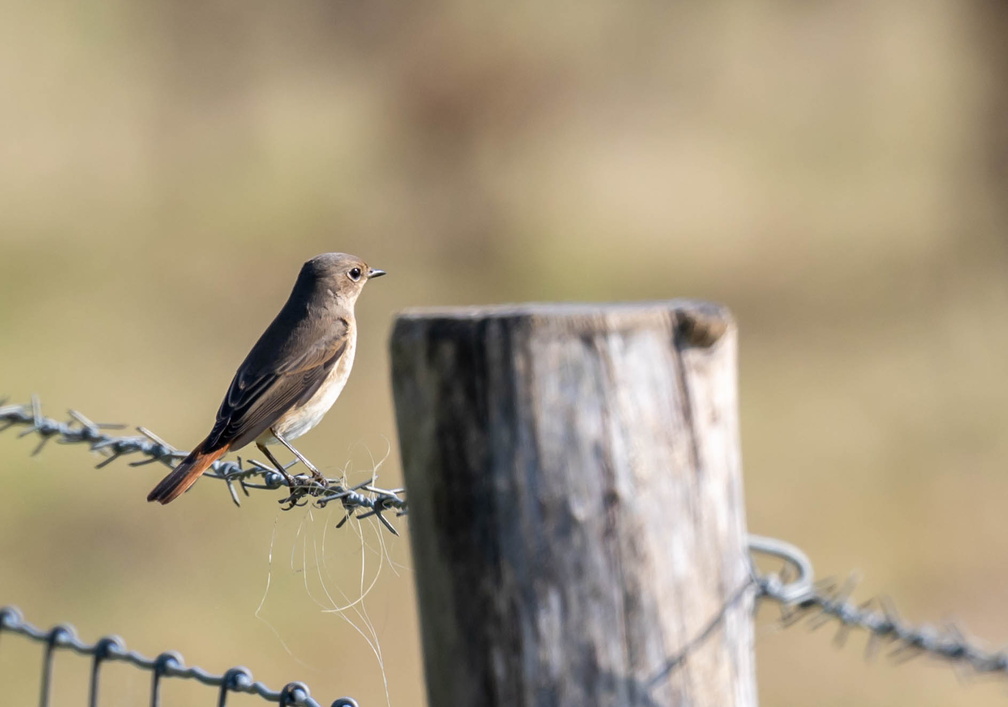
(833, 172)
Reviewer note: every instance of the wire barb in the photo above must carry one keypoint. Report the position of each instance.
(361, 501)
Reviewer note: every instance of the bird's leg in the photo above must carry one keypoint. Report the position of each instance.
(301, 457)
(280, 467)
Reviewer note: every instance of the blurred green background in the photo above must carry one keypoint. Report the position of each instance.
(835, 172)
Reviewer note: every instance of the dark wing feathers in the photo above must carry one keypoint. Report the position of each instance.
(266, 386)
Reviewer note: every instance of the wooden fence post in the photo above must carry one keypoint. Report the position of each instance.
(576, 509)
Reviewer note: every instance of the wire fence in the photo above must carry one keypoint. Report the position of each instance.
(792, 588)
(167, 665)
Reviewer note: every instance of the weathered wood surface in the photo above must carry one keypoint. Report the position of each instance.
(576, 509)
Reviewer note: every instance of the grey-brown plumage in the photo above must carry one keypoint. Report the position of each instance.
(294, 372)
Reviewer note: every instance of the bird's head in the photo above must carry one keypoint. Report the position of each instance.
(342, 274)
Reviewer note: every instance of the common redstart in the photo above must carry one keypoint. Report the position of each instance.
(293, 374)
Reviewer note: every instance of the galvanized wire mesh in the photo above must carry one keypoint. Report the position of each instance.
(167, 665)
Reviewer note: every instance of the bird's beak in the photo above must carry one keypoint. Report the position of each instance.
(375, 272)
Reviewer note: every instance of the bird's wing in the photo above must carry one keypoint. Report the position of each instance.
(265, 387)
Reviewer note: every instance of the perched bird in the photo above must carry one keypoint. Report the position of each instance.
(293, 374)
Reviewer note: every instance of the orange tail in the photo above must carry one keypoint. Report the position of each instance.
(185, 474)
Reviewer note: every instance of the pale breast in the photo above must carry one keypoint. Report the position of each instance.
(301, 419)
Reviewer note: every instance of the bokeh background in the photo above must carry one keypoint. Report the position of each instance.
(835, 172)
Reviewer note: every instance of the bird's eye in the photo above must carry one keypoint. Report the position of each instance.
(354, 274)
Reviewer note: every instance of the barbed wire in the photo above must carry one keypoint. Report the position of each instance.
(168, 664)
(801, 598)
(360, 501)
(793, 588)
